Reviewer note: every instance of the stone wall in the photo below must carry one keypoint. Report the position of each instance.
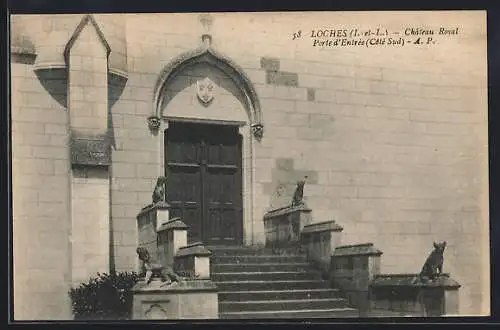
(393, 140)
(90, 223)
(41, 209)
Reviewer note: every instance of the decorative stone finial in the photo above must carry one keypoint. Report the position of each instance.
(206, 20)
(207, 40)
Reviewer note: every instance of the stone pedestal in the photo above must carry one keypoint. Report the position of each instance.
(283, 226)
(193, 260)
(194, 299)
(352, 268)
(162, 214)
(450, 301)
(149, 221)
(156, 214)
(406, 295)
(319, 241)
(194, 296)
(172, 235)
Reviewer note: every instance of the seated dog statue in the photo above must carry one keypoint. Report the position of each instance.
(433, 266)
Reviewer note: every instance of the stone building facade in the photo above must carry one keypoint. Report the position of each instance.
(393, 140)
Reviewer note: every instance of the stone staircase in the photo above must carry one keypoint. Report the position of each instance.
(257, 284)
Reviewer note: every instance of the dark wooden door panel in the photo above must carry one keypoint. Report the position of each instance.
(186, 152)
(221, 185)
(223, 226)
(205, 182)
(193, 216)
(184, 182)
(223, 154)
(184, 197)
(231, 225)
(190, 216)
(223, 204)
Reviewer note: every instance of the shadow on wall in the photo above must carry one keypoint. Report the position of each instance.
(116, 85)
(55, 82)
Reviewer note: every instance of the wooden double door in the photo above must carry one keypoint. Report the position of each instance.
(204, 189)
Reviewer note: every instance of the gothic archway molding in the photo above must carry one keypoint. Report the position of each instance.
(208, 55)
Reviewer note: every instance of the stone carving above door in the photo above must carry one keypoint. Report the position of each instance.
(205, 90)
(207, 54)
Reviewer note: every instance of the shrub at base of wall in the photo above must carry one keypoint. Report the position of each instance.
(104, 297)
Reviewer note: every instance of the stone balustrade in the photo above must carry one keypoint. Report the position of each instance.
(172, 236)
(149, 220)
(284, 225)
(352, 267)
(194, 260)
(319, 241)
(195, 295)
(355, 269)
(407, 295)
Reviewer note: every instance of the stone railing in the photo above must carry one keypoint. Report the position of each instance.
(195, 295)
(319, 241)
(193, 260)
(149, 220)
(283, 226)
(406, 295)
(171, 237)
(355, 269)
(352, 268)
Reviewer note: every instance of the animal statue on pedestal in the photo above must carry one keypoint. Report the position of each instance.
(433, 266)
(160, 191)
(298, 195)
(150, 270)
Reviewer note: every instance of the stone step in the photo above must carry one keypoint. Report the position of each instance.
(279, 295)
(266, 276)
(294, 314)
(231, 251)
(260, 267)
(246, 251)
(277, 305)
(257, 259)
(271, 285)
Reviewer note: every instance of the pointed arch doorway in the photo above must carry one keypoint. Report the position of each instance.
(221, 188)
(204, 166)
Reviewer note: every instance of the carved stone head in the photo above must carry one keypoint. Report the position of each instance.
(258, 131)
(154, 123)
